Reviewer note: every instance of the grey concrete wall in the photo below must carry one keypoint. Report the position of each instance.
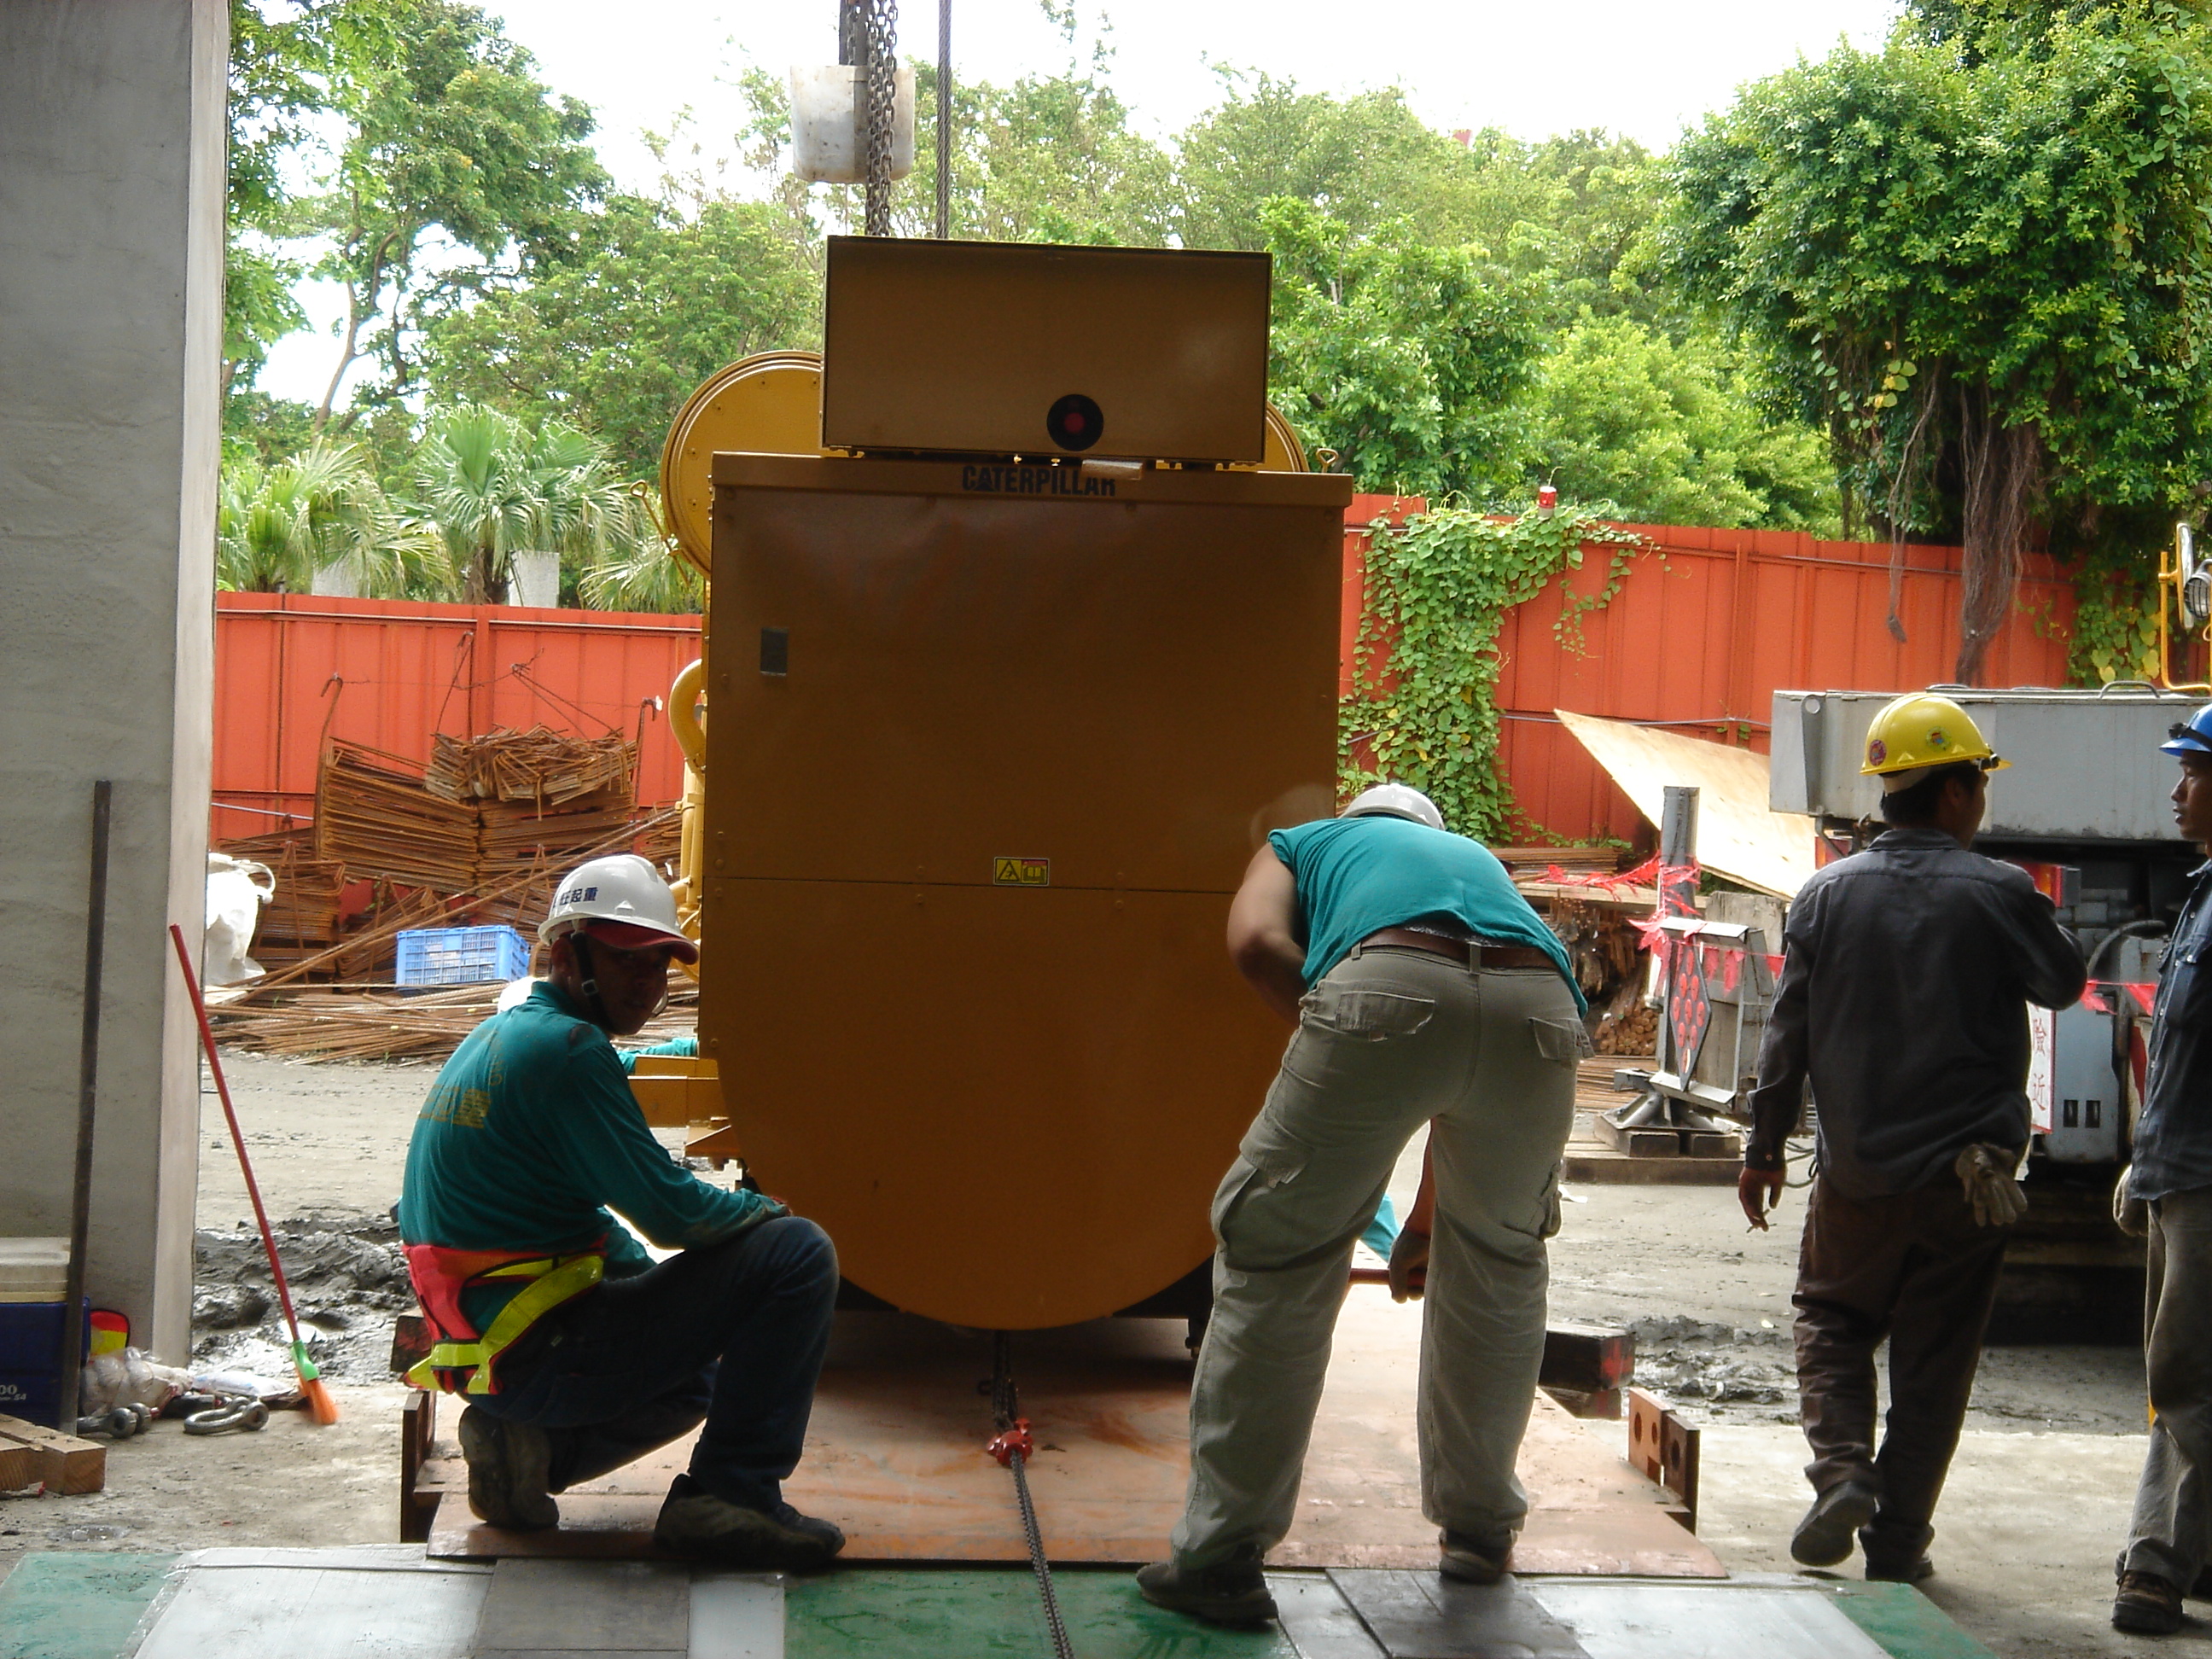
(112, 137)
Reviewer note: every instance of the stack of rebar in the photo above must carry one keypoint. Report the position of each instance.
(374, 814)
(545, 768)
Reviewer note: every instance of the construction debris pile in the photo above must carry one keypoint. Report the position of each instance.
(1732, 1374)
(347, 1280)
(480, 835)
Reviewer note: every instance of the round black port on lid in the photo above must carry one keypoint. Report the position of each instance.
(1074, 423)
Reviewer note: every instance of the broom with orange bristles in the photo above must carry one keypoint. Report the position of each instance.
(320, 1405)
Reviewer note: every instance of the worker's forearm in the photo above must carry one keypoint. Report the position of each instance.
(1276, 970)
(1422, 1217)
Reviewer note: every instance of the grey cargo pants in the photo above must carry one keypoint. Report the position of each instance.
(1389, 1039)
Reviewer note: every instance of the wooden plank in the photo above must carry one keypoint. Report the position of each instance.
(418, 1431)
(68, 1465)
(537, 1606)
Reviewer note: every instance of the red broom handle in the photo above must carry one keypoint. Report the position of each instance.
(237, 1137)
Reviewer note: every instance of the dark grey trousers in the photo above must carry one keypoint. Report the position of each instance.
(2170, 1531)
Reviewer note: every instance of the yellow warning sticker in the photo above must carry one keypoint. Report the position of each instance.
(1021, 872)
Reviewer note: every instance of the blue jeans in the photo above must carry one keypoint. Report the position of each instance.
(732, 1334)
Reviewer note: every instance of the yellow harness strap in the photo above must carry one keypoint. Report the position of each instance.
(554, 1280)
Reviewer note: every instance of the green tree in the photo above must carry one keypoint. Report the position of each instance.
(1363, 162)
(277, 83)
(649, 304)
(1981, 259)
(1404, 359)
(488, 487)
(1046, 159)
(449, 134)
(278, 524)
(1670, 433)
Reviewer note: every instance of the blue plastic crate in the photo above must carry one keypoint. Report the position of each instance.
(461, 956)
(30, 1357)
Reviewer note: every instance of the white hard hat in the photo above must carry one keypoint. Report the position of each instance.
(621, 899)
(1395, 800)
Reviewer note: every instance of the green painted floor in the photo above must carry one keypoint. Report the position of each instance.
(924, 1612)
(83, 1605)
(76, 1605)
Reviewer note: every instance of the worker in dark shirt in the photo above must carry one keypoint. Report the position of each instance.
(2167, 1193)
(1903, 1000)
(1423, 989)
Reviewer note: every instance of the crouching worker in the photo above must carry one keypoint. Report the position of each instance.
(575, 1353)
(1423, 990)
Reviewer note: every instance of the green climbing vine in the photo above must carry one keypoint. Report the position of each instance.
(1422, 709)
(2115, 634)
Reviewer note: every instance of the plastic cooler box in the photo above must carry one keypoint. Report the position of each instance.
(461, 956)
(30, 1358)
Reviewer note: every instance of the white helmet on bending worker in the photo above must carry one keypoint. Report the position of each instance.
(1394, 800)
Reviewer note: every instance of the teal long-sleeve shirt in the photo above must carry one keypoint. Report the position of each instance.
(530, 1136)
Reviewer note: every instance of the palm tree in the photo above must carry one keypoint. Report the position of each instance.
(652, 577)
(491, 488)
(275, 527)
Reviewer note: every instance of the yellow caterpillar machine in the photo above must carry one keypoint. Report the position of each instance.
(1023, 635)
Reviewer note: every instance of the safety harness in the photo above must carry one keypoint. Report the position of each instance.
(462, 1362)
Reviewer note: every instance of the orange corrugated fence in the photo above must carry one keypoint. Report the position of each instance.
(1707, 626)
(390, 673)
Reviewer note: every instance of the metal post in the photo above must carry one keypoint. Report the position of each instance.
(943, 119)
(95, 940)
(1678, 850)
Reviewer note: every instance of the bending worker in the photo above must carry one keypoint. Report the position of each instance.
(1903, 998)
(1423, 990)
(2167, 1193)
(577, 1354)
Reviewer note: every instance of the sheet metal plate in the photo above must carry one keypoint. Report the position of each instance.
(895, 1456)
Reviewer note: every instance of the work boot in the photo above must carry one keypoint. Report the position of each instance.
(1823, 1538)
(1227, 1593)
(1462, 1556)
(2147, 1604)
(694, 1522)
(507, 1472)
(1896, 1555)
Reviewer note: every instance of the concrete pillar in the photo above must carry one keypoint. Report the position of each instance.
(111, 145)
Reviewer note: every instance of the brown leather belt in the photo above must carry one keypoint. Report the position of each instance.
(1459, 950)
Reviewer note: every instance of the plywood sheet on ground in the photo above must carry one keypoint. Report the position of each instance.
(895, 1456)
(1738, 836)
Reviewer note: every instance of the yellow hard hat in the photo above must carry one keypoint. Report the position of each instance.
(1918, 733)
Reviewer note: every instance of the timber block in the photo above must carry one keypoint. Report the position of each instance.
(21, 1466)
(1589, 1359)
(1663, 1446)
(1638, 1142)
(68, 1465)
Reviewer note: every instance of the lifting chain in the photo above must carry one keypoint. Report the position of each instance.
(1012, 1447)
(881, 22)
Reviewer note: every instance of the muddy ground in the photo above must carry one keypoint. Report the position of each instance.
(2037, 1500)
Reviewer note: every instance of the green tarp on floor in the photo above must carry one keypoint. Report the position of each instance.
(68, 1605)
(952, 1613)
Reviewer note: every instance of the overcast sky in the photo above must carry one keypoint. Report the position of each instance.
(1631, 66)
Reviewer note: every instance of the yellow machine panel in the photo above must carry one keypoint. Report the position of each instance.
(991, 747)
(1030, 349)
